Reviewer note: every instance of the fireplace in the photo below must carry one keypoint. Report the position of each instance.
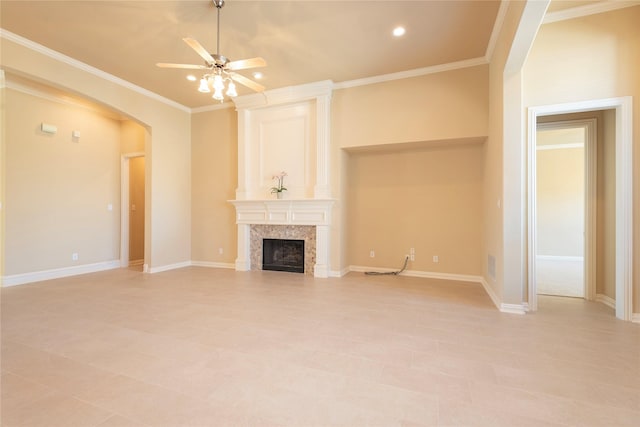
(283, 255)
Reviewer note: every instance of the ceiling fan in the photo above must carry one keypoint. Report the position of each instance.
(219, 68)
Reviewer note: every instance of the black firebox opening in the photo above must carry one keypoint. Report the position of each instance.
(283, 255)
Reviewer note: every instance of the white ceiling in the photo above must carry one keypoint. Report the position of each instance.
(302, 41)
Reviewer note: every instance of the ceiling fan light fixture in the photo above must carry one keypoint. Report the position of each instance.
(217, 95)
(218, 83)
(219, 70)
(231, 90)
(204, 86)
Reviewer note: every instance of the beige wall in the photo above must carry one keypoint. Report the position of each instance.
(592, 57)
(429, 199)
(58, 189)
(214, 178)
(132, 137)
(168, 153)
(448, 106)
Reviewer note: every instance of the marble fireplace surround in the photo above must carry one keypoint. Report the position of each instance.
(307, 233)
(286, 219)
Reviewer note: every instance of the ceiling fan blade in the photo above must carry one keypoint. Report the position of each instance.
(243, 64)
(247, 82)
(187, 66)
(195, 45)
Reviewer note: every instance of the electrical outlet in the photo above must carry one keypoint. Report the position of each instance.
(435, 258)
(372, 254)
(412, 254)
(74, 256)
(220, 251)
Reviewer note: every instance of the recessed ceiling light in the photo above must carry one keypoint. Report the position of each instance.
(399, 31)
(258, 75)
(191, 78)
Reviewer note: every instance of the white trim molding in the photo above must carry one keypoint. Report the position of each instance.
(586, 10)
(339, 273)
(635, 318)
(57, 273)
(168, 267)
(419, 273)
(606, 300)
(623, 107)
(492, 294)
(513, 308)
(495, 32)
(7, 35)
(211, 264)
(285, 95)
(450, 66)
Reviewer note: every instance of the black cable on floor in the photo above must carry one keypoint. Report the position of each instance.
(389, 273)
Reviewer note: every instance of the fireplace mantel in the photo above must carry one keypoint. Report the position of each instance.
(316, 212)
(283, 211)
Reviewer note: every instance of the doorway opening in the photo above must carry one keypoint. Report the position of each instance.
(621, 249)
(565, 207)
(132, 236)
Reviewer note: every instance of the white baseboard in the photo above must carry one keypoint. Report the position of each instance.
(635, 317)
(513, 308)
(169, 267)
(57, 273)
(492, 294)
(606, 300)
(417, 273)
(211, 264)
(339, 273)
(504, 308)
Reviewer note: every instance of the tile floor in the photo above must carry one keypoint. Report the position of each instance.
(560, 276)
(209, 347)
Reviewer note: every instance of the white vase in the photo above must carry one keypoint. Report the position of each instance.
(279, 194)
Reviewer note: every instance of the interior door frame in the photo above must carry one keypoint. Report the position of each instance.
(590, 160)
(124, 206)
(624, 207)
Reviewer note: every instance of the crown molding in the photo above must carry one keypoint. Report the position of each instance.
(590, 9)
(497, 27)
(467, 63)
(285, 95)
(7, 35)
(215, 107)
